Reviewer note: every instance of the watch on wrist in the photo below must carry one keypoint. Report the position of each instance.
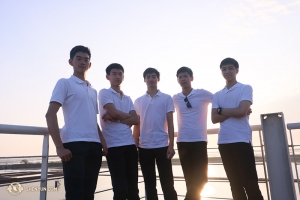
(219, 110)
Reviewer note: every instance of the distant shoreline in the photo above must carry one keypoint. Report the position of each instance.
(175, 161)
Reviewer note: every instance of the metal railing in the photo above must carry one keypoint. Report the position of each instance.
(290, 127)
(29, 130)
(255, 128)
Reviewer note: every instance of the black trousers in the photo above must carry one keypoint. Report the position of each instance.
(81, 172)
(239, 163)
(194, 162)
(164, 166)
(123, 166)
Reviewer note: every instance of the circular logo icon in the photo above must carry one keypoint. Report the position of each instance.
(15, 188)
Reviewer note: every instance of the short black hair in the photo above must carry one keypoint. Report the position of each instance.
(227, 61)
(113, 66)
(150, 71)
(79, 48)
(184, 69)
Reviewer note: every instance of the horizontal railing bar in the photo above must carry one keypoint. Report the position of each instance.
(23, 130)
(216, 130)
(32, 130)
(26, 157)
(292, 126)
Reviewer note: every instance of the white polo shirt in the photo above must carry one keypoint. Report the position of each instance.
(192, 122)
(80, 109)
(153, 119)
(116, 134)
(234, 129)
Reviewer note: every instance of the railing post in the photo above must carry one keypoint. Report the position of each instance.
(264, 164)
(44, 169)
(278, 157)
(295, 161)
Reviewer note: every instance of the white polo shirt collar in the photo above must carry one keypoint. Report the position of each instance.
(116, 93)
(157, 94)
(78, 80)
(233, 87)
(191, 93)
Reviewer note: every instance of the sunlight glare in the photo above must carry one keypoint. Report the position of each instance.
(207, 191)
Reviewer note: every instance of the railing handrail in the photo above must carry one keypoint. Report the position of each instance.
(33, 130)
(24, 130)
(291, 126)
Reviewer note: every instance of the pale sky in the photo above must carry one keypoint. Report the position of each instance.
(37, 36)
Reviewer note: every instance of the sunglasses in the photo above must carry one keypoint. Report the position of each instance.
(188, 104)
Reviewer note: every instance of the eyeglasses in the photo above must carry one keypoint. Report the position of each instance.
(188, 104)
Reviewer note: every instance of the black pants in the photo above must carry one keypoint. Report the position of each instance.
(239, 163)
(164, 166)
(193, 158)
(123, 166)
(81, 172)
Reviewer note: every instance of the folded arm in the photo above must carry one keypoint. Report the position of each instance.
(132, 120)
(116, 114)
(241, 111)
(216, 118)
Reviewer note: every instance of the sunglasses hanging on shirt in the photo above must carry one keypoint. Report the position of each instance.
(187, 102)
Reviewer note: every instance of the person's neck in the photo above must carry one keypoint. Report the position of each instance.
(187, 90)
(116, 88)
(229, 84)
(152, 91)
(80, 76)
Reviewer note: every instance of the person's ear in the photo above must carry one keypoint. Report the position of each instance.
(70, 62)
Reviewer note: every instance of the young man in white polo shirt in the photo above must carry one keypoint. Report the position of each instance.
(191, 107)
(155, 137)
(230, 108)
(78, 142)
(117, 114)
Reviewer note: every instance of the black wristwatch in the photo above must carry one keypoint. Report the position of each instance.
(219, 111)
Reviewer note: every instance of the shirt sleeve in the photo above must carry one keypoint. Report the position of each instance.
(104, 97)
(170, 104)
(174, 101)
(208, 96)
(96, 103)
(131, 105)
(247, 93)
(60, 91)
(215, 101)
(136, 107)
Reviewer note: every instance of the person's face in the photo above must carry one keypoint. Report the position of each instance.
(80, 62)
(229, 72)
(184, 79)
(115, 77)
(151, 80)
